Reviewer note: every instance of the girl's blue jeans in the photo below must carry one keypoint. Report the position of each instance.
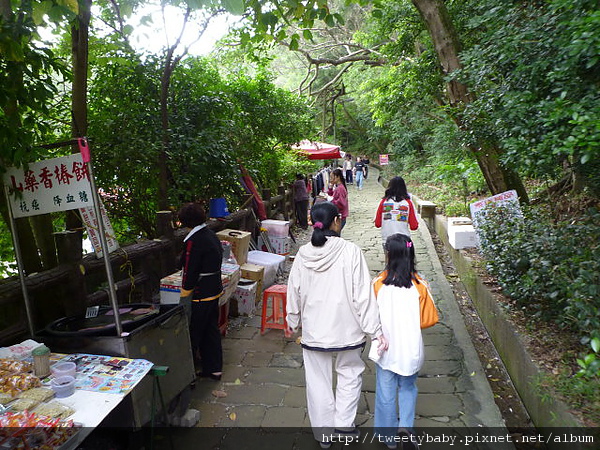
(395, 402)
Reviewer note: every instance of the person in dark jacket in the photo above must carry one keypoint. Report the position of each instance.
(301, 201)
(201, 284)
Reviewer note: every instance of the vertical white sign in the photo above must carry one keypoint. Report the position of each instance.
(91, 224)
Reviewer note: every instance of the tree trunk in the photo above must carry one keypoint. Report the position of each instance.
(42, 230)
(163, 170)
(79, 53)
(31, 259)
(447, 46)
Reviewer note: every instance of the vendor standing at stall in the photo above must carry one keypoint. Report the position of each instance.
(202, 286)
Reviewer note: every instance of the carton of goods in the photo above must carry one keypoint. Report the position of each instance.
(256, 273)
(270, 261)
(240, 243)
(244, 298)
(276, 228)
(280, 245)
(170, 288)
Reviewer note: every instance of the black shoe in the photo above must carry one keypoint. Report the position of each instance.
(409, 441)
(212, 376)
(353, 432)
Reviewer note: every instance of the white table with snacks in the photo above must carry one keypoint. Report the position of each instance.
(57, 411)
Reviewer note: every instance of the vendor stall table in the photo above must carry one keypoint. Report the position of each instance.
(101, 383)
(163, 339)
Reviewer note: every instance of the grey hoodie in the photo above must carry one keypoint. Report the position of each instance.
(330, 292)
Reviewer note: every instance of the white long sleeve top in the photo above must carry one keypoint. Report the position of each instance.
(400, 313)
(330, 293)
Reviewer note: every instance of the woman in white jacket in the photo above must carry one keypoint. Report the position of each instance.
(330, 293)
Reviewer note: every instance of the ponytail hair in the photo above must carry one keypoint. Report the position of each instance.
(322, 216)
(400, 265)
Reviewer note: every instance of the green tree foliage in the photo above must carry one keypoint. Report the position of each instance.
(215, 123)
(30, 76)
(535, 68)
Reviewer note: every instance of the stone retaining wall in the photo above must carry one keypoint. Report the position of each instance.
(543, 406)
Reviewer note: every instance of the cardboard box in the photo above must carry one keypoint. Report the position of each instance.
(170, 289)
(256, 273)
(240, 243)
(280, 245)
(276, 228)
(244, 298)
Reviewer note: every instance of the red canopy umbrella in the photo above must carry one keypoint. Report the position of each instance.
(318, 150)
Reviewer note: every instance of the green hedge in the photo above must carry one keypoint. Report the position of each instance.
(550, 269)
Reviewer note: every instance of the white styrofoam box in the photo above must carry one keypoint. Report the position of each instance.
(170, 288)
(461, 233)
(276, 228)
(245, 294)
(270, 261)
(280, 245)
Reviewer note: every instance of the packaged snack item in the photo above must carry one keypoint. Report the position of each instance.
(5, 399)
(55, 410)
(23, 404)
(40, 394)
(15, 365)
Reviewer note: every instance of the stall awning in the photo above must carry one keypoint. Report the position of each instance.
(318, 150)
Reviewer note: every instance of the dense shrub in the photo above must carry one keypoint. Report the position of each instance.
(550, 269)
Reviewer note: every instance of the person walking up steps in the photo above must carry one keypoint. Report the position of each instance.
(348, 169)
(329, 292)
(399, 290)
(396, 212)
(359, 168)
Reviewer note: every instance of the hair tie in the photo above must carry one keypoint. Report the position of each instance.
(408, 244)
(318, 225)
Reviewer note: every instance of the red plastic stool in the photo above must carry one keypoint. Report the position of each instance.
(277, 296)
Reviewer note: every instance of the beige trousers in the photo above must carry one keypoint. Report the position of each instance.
(328, 411)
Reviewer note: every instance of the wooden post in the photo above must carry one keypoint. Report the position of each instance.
(266, 196)
(245, 223)
(69, 246)
(291, 196)
(164, 224)
(70, 252)
(283, 202)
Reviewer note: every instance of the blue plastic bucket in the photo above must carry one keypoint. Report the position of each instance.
(218, 208)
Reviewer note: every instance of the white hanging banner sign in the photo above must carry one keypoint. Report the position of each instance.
(88, 216)
(384, 160)
(508, 198)
(53, 185)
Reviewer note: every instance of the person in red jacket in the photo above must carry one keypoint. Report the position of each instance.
(396, 212)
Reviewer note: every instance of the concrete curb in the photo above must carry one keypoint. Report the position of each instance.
(481, 413)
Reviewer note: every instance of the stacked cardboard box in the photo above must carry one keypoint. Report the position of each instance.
(256, 273)
(240, 243)
(243, 301)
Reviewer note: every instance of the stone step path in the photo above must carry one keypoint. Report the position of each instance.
(263, 381)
